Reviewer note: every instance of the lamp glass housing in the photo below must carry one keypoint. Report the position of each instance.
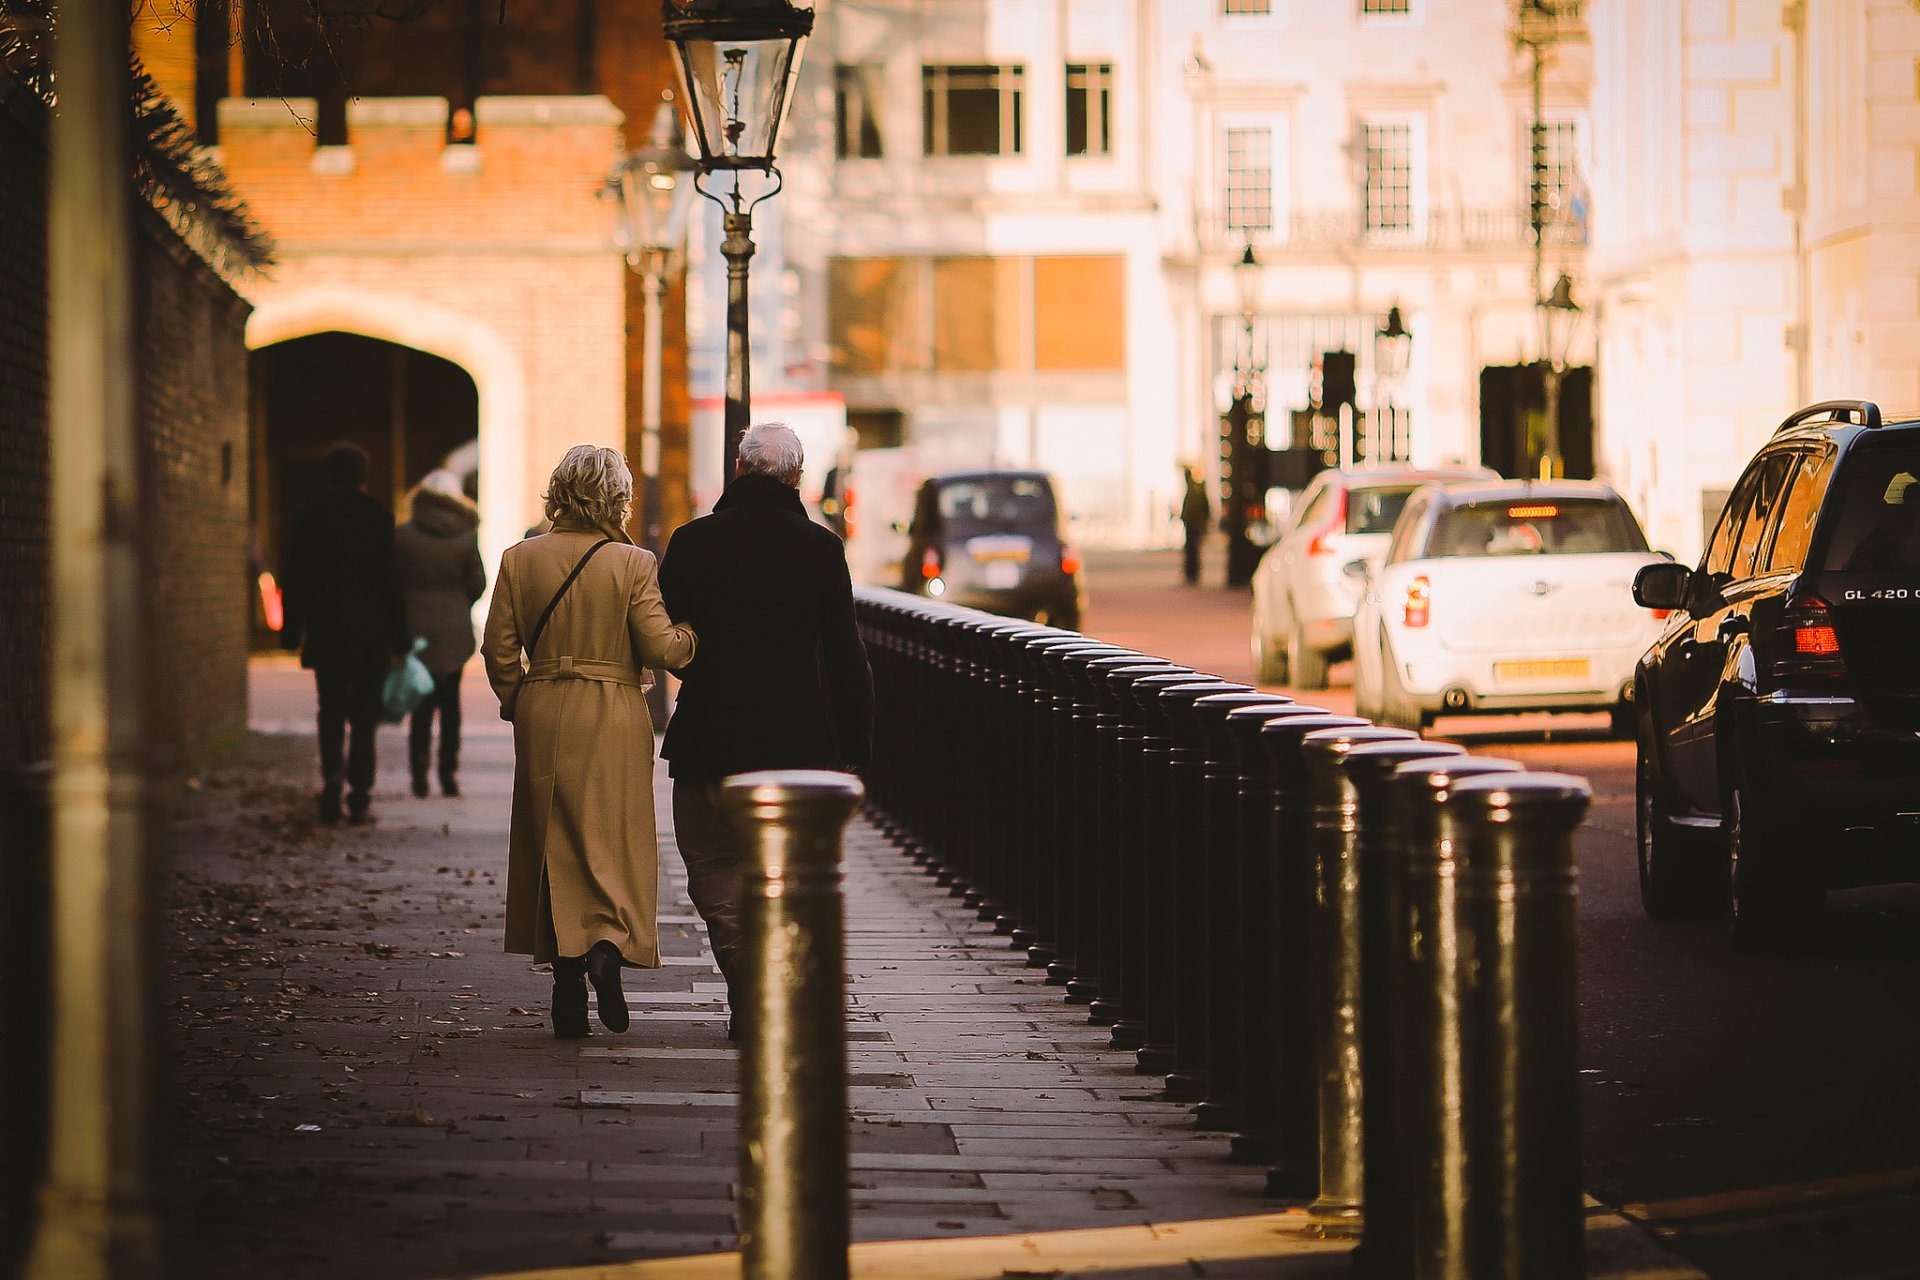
(737, 66)
(656, 189)
(1563, 317)
(1246, 279)
(1392, 343)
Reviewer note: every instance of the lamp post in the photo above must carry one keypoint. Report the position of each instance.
(1392, 342)
(1243, 435)
(1559, 317)
(652, 190)
(738, 61)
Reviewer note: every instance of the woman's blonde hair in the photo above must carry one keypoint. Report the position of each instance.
(592, 485)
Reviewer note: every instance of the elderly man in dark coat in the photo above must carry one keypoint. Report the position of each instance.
(437, 560)
(781, 679)
(343, 613)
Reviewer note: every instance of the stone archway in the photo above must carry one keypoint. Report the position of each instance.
(496, 369)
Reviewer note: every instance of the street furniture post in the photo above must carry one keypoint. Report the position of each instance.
(1334, 837)
(1066, 828)
(1295, 1169)
(1383, 853)
(1094, 801)
(794, 1206)
(1431, 955)
(1520, 1030)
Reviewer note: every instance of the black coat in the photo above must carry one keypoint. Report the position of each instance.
(342, 603)
(779, 679)
(436, 557)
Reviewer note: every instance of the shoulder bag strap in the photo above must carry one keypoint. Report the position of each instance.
(534, 639)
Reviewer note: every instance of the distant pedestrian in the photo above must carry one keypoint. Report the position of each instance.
(1196, 513)
(781, 680)
(574, 623)
(436, 557)
(342, 611)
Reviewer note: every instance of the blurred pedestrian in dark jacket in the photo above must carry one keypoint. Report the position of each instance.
(1196, 513)
(781, 678)
(436, 556)
(343, 614)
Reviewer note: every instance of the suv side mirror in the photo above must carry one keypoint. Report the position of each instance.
(1662, 586)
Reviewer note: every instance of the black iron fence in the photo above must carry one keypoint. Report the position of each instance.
(1351, 949)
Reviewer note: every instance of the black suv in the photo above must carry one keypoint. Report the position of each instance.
(991, 540)
(1779, 712)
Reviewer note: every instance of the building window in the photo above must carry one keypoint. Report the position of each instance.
(856, 110)
(1237, 8)
(1249, 174)
(1079, 313)
(1557, 169)
(1388, 177)
(973, 110)
(1089, 108)
(1395, 8)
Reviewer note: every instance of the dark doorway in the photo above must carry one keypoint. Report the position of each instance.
(1513, 402)
(411, 412)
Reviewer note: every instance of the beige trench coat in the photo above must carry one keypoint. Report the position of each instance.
(582, 863)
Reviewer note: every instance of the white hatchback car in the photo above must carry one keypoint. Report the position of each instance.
(1515, 596)
(1309, 581)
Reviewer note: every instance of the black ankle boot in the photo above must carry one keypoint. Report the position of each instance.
(603, 970)
(569, 998)
(449, 785)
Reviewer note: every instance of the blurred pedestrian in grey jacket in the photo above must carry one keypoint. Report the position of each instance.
(436, 557)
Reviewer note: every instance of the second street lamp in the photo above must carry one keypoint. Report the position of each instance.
(1560, 316)
(738, 60)
(1243, 446)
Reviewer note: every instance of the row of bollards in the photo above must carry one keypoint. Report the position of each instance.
(1350, 949)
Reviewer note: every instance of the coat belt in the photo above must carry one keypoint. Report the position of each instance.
(568, 668)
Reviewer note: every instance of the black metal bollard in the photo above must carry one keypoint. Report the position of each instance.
(1229, 1016)
(794, 1210)
(26, 866)
(1122, 962)
(1382, 854)
(1160, 935)
(1520, 1022)
(1033, 873)
(1333, 835)
(1095, 801)
(1255, 1140)
(1295, 1171)
(1430, 955)
(1185, 883)
(1074, 828)
(1048, 848)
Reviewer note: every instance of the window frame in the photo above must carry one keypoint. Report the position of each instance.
(1007, 80)
(1415, 125)
(851, 81)
(1277, 191)
(1097, 92)
(1414, 15)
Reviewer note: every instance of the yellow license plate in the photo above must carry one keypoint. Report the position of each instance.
(1542, 669)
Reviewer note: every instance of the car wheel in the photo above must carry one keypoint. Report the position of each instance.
(1768, 903)
(1269, 664)
(1622, 719)
(1668, 885)
(1306, 665)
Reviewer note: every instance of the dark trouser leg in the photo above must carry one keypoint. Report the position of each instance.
(363, 719)
(1191, 567)
(712, 851)
(335, 693)
(446, 692)
(420, 742)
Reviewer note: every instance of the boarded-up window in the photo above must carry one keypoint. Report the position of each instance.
(1080, 313)
(976, 314)
(873, 315)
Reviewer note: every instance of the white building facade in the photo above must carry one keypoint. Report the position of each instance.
(1757, 246)
(1010, 227)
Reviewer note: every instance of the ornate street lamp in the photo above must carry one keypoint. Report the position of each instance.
(1392, 343)
(1559, 319)
(1243, 444)
(652, 192)
(738, 61)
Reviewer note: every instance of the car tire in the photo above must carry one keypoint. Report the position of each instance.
(1269, 664)
(1622, 720)
(1669, 884)
(1306, 665)
(1768, 904)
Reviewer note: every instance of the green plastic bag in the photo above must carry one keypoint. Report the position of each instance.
(407, 686)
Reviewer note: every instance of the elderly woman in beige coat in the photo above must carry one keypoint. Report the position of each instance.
(582, 871)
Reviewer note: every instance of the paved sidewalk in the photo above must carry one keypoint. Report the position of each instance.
(368, 1087)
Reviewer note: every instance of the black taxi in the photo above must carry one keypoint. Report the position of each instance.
(1778, 714)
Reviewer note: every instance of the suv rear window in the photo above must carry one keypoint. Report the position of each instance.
(997, 502)
(1374, 510)
(1529, 526)
(1877, 494)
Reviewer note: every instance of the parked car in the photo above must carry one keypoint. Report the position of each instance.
(1308, 583)
(1506, 596)
(1779, 711)
(991, 540)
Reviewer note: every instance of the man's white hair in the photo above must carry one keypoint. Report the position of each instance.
(771, 449)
